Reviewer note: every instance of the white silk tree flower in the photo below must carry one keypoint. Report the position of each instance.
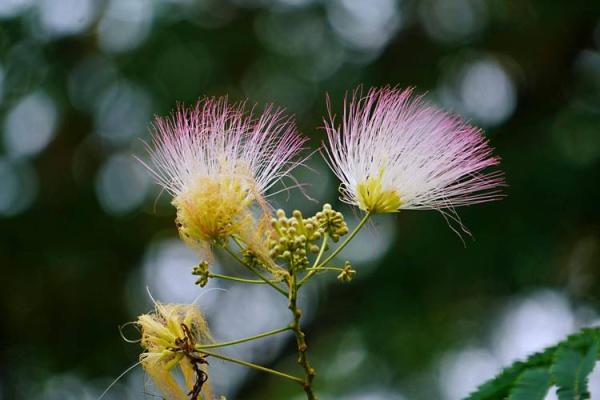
(394, 151)
(216, 160)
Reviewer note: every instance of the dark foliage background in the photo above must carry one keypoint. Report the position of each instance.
(82, 232)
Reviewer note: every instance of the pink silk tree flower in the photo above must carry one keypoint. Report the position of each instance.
(395, 151)
(216, 160)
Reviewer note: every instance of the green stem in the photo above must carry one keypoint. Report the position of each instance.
(348, 239)
(236, 279)
(241, 244)
(267, 281)
(255, 366)
(302, 346)
(325, 269)
(254, 271)
(238, 242)
(235, 256)
(319, 256)
(362, 222)
(321, 250)
(201, 347)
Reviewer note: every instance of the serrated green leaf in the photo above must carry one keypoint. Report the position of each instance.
(570, 371)
(532, 384)
(500, 386)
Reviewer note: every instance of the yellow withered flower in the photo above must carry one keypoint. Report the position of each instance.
(169, 335)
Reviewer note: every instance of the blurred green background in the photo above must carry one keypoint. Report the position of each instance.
(84, 231)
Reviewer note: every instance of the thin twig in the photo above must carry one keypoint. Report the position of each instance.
(255, 366)
(254, 271)
(302, 346)
(201, 347)
(236, 279)
(316, 267)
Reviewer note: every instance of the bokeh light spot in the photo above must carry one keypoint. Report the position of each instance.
(66, 17)
(121, 185)
(122, 112)
(462, 371)
(371, 243)
(452, 20)
(167, 271)
(125, 24)
(364, 25)
(349, 356)
(12, 8)
(61, 387)
(30, 125)
(481, 89)
(533, 323)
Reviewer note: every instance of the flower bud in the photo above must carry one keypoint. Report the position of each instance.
(347, 273)
(201, 270)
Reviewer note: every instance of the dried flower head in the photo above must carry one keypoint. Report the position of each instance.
(395, 151)
(168, 338)
(216, 160)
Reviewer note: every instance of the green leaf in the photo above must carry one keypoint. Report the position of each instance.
(571, 369)
(499, 388)
(532, 384)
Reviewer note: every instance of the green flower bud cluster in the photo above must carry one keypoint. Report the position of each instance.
(295, 237)
(250, 258)
(332, 222)
(201, 271)
(347, 273)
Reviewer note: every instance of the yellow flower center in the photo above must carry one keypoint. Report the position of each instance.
(372, 197)
(213, 209)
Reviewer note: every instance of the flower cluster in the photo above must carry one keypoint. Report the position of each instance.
(392, 151)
